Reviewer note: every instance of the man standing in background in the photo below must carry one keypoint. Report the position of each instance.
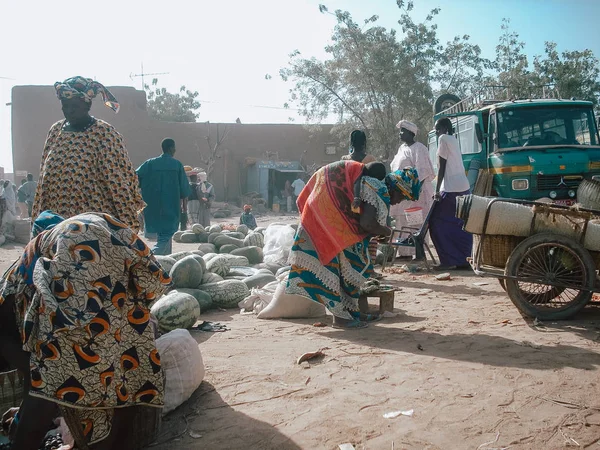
(27, 191)
(164, 185)
(298, 185)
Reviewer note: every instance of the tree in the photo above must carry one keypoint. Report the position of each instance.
(210, 157)
(163, 105)
(373, 78)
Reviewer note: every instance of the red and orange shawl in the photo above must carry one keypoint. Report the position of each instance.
(325, 206)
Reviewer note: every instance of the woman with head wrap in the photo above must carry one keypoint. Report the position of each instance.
(74, 319)
(85, 166)
(412, 154)
(247, 218)
(358, 148)
(330, 257)
(206, 196)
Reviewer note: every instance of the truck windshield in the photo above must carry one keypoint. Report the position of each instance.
(546, 126)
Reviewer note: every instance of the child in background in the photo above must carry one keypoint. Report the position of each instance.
(247, 218)
(373, 169)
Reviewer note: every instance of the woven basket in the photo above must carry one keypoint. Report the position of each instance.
(11, 390)
(496, 248)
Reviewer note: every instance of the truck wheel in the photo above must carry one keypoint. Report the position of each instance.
(588, 194)
(444, 101)
(541, 262)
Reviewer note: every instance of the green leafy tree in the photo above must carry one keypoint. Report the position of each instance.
(163, 105)
(374, 77)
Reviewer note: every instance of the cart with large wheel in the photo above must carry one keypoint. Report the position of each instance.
(549, 275)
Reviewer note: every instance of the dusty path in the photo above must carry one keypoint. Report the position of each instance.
(461, 356)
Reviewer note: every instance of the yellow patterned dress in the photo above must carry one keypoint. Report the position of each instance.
(81, 293)
(88, 171)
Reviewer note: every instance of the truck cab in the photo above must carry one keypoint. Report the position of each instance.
(532, 149)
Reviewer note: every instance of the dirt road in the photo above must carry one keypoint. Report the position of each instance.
(475, 373)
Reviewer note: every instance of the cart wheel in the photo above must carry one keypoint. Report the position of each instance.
(502, 283)
(541, 261)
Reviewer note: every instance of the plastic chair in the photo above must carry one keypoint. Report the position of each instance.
(412, 237)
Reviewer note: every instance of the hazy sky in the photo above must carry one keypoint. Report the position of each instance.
(224, 48)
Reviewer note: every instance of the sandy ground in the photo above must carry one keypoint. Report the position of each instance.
(476, 373)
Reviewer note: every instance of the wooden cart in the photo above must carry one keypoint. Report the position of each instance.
(547, 274)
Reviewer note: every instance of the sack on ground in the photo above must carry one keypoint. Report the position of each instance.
(259, 298)
(182, 363)
(278, 243)
(291, 306)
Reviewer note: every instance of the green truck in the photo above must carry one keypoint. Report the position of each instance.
(531, 149)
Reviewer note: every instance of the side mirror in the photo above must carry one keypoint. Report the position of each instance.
(479, 133)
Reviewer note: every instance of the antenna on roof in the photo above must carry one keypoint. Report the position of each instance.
(142, 75)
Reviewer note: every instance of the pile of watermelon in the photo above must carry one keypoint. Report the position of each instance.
(219, 274)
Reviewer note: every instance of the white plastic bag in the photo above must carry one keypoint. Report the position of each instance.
(259, 298)
(182, 363)
(291, 306)
(278, 243)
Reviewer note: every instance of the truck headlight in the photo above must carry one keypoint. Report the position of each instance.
(520, 184)
(596, 177)
(552, 194)
(572, 193)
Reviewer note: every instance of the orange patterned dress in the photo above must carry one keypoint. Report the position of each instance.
(88, 171)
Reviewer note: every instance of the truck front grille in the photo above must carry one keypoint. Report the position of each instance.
(555, 182)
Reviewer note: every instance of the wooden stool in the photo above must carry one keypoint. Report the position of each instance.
(386, 301)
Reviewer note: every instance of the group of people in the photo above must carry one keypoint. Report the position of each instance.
(345, 208)
(74, 309)
(18, 201)
(74, 314)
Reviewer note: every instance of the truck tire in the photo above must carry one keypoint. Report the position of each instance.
(588, 194)
(444, 101)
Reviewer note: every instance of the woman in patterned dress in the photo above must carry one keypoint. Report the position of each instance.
(330, 258)
(74, 319)
(85, 166)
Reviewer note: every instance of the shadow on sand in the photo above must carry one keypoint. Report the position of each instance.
(207, 415)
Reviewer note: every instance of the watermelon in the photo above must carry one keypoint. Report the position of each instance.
(236, 260)
(202, 236)
(215, 229)
(179, 255)
(260, 230)
(223, 239)
(219, 265)
(264, 266)
(166, 262)
(259, 280)
(187, 272)
(189, 237)
(235, 277)
(242, 229)
(227, 248)
(176, 310)
(236, 235)
(200, 259)
(210, 277)
(267, 271)
(242, 271)
(197, 228)
(201, 297)
(207, 248)
(208, 256)
(253, 254)
(227, 293)
(177, 236)
(212, 237)
(254, 239)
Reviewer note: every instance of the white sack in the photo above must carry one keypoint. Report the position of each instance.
(259, 298)
(278, 243)
(182, 363)
(291, 306)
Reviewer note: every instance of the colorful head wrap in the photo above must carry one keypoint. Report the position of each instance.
(408, 126)
(45, 221)
(406, 181)
(87, 89)
(247, 208)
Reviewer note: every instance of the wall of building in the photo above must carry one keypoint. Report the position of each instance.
(36, 108)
